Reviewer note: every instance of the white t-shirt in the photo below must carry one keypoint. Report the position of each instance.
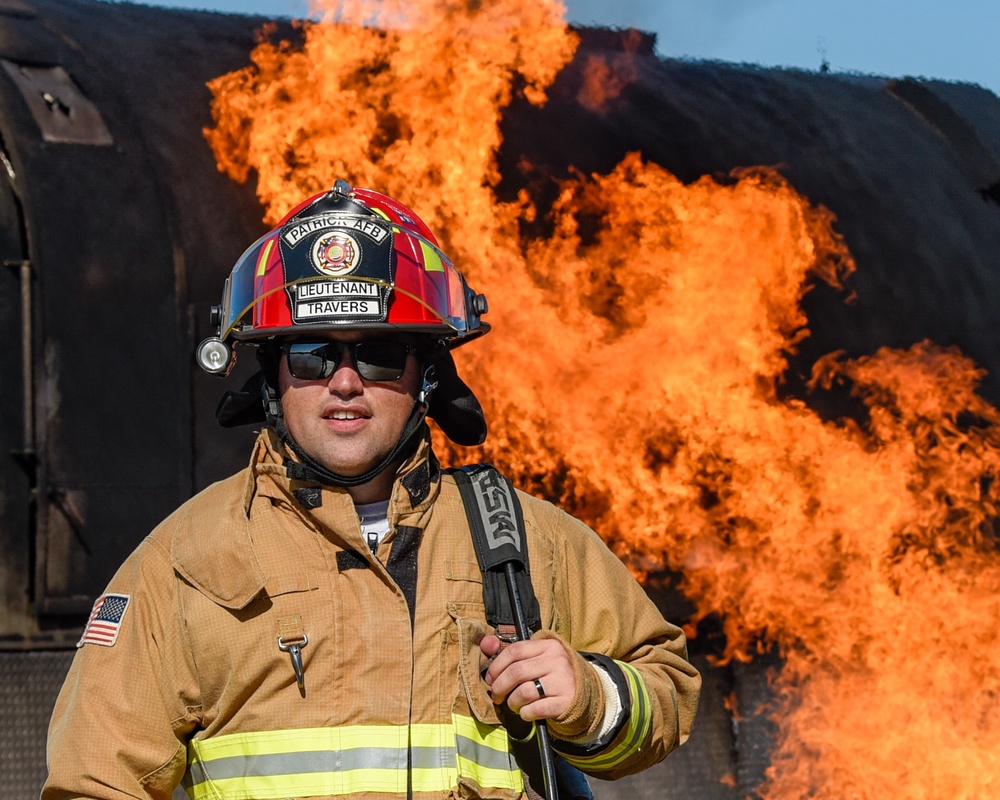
(374, 519)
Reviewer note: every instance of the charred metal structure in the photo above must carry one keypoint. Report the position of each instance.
(117, 230)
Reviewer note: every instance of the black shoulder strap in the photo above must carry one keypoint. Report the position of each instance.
(498, 534)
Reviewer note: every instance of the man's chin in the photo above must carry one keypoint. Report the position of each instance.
(349, 467)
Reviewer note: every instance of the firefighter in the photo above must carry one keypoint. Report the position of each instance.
(315, 626)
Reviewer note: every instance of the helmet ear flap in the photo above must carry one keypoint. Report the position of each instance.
(246, 406)
(243, 407)
(453, 405)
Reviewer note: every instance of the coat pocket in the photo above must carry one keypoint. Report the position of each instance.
(473, 689)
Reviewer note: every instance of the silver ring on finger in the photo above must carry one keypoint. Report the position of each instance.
(539, 688)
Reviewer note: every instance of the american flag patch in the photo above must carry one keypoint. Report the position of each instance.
(105, 620)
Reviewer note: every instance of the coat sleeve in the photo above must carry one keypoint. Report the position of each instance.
(124, 714)
(602, 612)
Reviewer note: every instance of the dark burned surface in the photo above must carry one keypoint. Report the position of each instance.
(129, 230)
(129, 242)
(910, 168)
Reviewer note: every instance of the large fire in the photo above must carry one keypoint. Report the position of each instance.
(634, 376)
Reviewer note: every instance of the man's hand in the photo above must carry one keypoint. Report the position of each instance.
(512, 673)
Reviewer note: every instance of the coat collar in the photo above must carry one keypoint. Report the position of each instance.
(213, 548)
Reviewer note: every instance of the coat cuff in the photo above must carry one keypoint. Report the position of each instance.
(626, 734)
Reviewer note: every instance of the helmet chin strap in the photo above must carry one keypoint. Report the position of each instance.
(308, 469)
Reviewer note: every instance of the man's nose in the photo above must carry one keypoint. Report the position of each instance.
(345, 375)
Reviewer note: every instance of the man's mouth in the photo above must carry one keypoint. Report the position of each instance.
(344, 415)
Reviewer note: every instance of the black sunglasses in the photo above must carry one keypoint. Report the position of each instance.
(375, 360)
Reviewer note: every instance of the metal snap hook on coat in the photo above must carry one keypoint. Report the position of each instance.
(294, 650)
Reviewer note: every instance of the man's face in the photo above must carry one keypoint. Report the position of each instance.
(345, 422)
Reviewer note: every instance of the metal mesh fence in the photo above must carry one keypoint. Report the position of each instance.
(29, 683)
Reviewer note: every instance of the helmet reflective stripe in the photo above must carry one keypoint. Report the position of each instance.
(432, 257)
(265, 254)
(315, 762)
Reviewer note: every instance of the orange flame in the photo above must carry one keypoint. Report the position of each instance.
(633, 376)
(413, 109)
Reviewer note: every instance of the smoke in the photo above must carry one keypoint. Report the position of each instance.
(682, 27)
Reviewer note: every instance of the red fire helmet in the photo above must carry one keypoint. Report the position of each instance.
(344, 259)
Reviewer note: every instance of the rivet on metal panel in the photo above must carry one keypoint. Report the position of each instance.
(58, 105)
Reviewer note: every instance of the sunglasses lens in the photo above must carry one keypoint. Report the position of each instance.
(375, 361)
(381, 361)
(308, 362)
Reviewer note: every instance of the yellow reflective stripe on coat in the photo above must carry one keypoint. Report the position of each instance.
(484, 754)
(315, 762)
(636, 729)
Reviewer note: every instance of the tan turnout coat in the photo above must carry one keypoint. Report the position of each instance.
(196, 683)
